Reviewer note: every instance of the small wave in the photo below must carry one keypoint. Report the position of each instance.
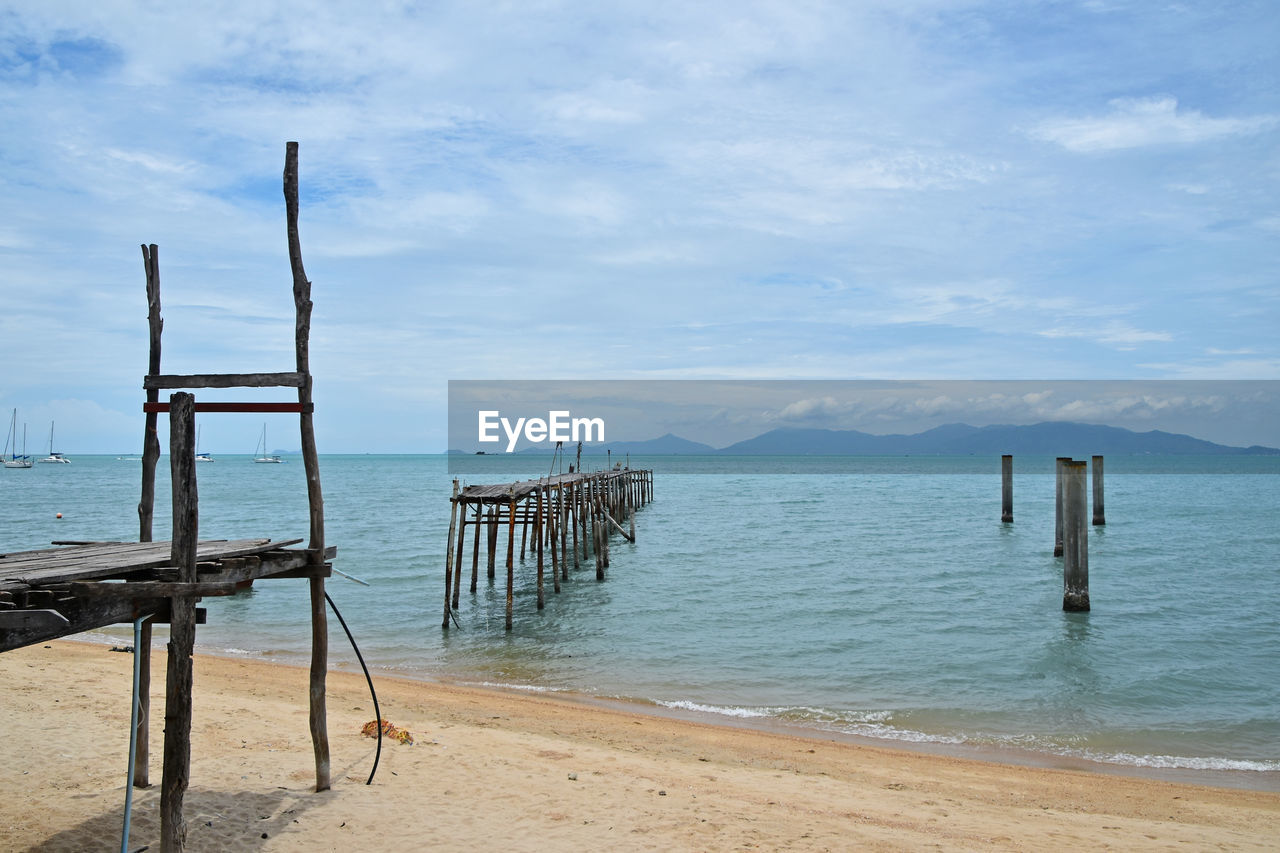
(1180, 762)
(722, 710)
(879, 725)
(871, 724)
(527, 688)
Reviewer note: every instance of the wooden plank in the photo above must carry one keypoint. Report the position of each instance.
(257, 408)
(67, 564)
(153, 589)
(173, 381)
(32, 620)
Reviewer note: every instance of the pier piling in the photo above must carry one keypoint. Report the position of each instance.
(1059, 482)
(1099, 516)
(1075, 540)
(1006, 488)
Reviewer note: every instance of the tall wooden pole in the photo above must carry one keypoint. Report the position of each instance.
(310, 460)
(146, 510)
(182, 626)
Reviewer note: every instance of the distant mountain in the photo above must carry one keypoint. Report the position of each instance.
(667, 445)
(1056, 438)
(664, 445)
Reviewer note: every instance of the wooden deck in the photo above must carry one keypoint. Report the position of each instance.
(56, 592)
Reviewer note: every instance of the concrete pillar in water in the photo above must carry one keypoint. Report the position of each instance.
(1099, 516)
(1075, 540)
(1060, 473)
(1006, 488)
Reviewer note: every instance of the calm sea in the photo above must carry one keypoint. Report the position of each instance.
(864, 596)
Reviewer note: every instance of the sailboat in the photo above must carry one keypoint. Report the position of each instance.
(201, 457)
(54, 457)
(10, 456)
(260, 452)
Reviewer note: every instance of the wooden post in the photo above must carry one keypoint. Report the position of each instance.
(596, 545)
(462, 547)
(604, 527)
(448, 556)
(311, 462)
(561, 523)
(150, 439)
(493, 539)
(1075, 541)
(552, 533)
(1060, 472)
(511, 554)
(146, 508)
(475, 549)
(631, 507)
(537, 535)
(524, 533)
(1006, 488)
(182, 627)
(573, 509)
(1099, 516)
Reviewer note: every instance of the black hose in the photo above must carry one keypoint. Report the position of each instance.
(376, 713)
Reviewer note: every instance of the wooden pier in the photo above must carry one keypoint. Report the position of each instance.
(80, 586)
(570, 517)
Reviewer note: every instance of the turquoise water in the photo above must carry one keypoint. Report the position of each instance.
(886, 600)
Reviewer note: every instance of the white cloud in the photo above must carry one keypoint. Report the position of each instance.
(1115, 333)
(1141, 122)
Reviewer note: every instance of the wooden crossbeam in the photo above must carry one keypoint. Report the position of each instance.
(262, 408)
(151, 589)
(174, 382)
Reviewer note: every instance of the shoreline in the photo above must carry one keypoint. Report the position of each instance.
(1244, 779)
(500, 769)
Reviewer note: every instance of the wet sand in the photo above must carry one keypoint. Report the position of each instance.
(495, 770)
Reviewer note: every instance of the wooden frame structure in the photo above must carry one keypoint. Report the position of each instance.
(56, 593)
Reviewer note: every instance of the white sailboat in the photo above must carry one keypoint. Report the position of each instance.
(201, 456)
(54, 457)
(260, 452)
(11, 457)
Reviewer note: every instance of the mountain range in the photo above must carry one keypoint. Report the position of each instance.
(1053, 438)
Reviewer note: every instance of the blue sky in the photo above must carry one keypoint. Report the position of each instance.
(797, 190)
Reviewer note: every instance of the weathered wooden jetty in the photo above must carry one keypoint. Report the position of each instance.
(570, 517)
(80, 586)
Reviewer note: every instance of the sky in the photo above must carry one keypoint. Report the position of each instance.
(541, 190)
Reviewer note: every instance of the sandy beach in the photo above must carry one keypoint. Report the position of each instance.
(492, 770)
